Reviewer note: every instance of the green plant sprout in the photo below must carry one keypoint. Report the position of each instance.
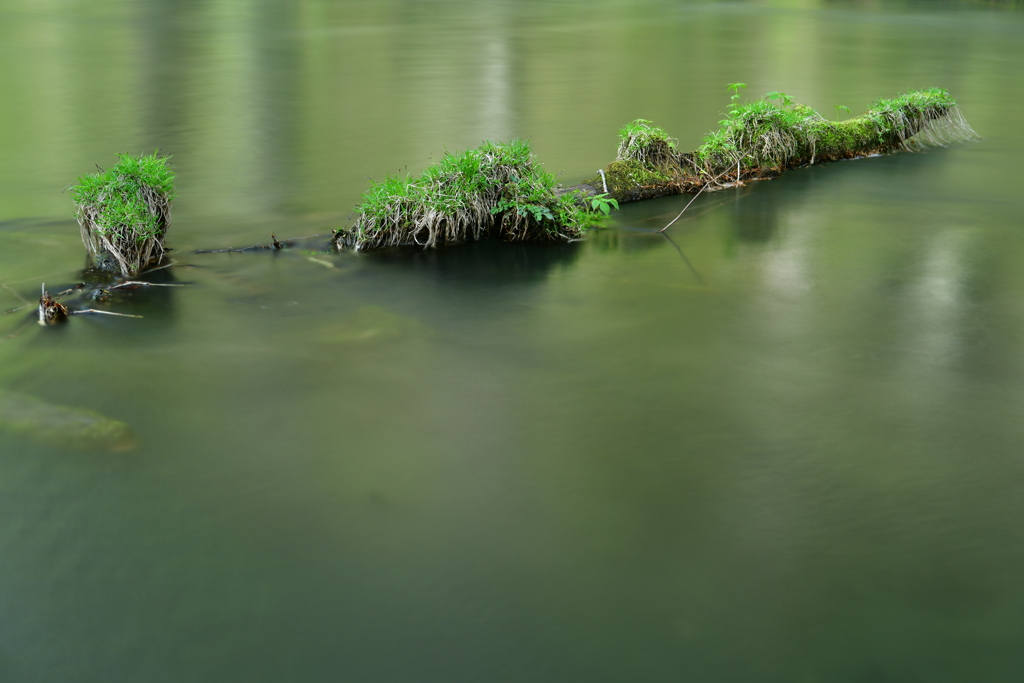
(784, 99)
(604, 203)
(840, 107)
(735, 87)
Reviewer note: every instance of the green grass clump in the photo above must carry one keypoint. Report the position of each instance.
(124, 212)
(646, 143)
(497, 190)
(763, 136)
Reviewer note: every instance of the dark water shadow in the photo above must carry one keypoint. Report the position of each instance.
(755, 219)
(157, 302)
(487, 263)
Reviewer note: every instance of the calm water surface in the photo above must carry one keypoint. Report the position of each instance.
(785, 446)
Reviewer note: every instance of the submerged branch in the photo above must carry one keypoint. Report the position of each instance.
(273, 245)
(132, 284)
(95, 310)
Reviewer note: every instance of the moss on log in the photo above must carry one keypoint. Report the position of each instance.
(762, 139)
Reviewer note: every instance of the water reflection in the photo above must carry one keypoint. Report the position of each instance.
(755, 220)
(513, 462)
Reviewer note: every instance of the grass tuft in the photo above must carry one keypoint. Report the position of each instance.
(643, 142)
(763, 136)
(124, 212)
(496, 190)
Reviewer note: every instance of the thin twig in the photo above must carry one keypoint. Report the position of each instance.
(138, 283)
(93, 310)
(706, 186)
(230, 249)
(18, 329)
(685, 207)
(19, 296)
(709, 205)
(166, 265)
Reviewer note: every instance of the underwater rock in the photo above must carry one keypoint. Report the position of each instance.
(62, 426)
(367, 325)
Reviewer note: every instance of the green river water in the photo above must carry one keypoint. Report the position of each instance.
(787, 446)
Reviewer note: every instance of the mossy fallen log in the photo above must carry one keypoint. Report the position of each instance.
(124, 213)
(762, 139)
(499, 190)
(62, 426)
